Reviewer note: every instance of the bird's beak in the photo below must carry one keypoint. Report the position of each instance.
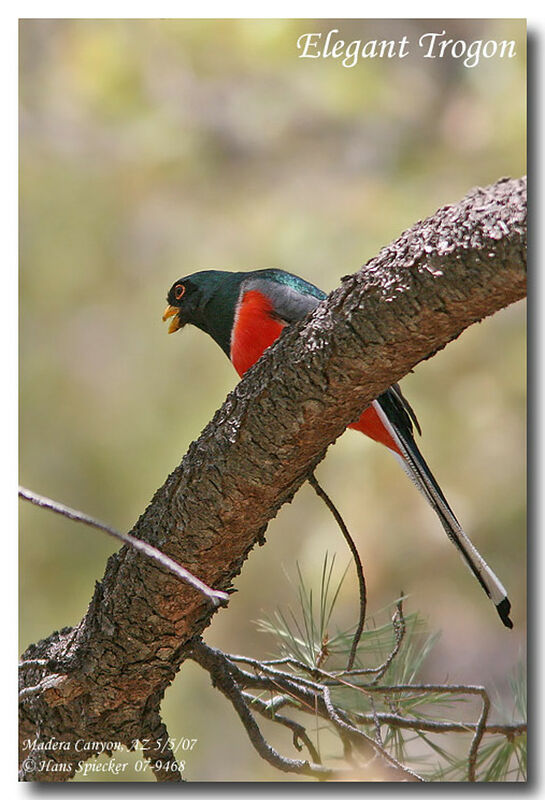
(172, 311)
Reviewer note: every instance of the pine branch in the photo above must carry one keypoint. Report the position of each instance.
(308, 688)
(314, 697)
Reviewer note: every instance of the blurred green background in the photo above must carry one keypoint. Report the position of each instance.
(151, 148)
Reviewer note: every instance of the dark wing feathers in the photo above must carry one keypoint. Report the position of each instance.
(396, 389)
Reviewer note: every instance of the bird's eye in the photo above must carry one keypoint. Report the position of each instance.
(179, 291)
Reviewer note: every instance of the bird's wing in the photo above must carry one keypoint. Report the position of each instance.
(402, 404)
(291, 298)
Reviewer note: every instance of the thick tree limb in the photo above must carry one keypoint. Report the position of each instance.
(104, 678)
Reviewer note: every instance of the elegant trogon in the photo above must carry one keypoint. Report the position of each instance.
(245, 312)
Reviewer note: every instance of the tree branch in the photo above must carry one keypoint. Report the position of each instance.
(216, 598)
(357, 561)
(419, 293)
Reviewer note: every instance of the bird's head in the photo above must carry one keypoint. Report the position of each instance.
(189, 298)
(184, 303)
(206, 299)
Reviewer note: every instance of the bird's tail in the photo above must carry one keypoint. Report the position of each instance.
(414, 464)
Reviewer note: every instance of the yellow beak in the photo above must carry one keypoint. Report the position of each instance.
(172, 311)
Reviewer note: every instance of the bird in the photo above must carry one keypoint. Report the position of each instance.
(245, 313)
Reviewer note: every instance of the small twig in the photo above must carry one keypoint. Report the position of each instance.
(398, 622)
(359, 569)
(216, 597)
(479, 733)
(268, 710)
(362, 738)
(268, 668)
(433, 726)
(376, 722)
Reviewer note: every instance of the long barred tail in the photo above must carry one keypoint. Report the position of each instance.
(390, 408)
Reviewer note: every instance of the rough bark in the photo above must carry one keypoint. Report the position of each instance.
(104, 679)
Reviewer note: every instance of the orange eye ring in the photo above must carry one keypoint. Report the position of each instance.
(179, 291)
